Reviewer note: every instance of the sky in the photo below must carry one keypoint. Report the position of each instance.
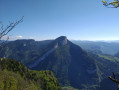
(49, 19)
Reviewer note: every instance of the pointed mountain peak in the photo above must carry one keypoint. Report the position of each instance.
(62, 40)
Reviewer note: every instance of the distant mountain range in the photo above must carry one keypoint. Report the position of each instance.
(104, 47)
(72, 65)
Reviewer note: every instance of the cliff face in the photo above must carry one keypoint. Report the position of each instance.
(62, 41)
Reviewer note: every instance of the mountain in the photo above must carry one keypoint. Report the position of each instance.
(117, 54)
(71, 65)
(107, 84)
(24, 51)
(107, 64)
(15, 76)
(110, 48)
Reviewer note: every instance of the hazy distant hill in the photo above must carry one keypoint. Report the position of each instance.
(15, 76)
(70, 63)
(110, 48)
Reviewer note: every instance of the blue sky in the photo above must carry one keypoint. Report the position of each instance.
(49, 19)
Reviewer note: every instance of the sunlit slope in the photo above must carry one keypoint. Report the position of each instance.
(15, 76)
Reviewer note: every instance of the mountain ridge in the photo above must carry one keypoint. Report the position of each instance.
(65, 60)
(72, 65)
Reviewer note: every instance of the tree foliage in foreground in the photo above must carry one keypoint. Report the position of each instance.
(15, 76)
(114, 4)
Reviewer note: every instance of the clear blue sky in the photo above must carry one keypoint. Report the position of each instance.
(49, 19)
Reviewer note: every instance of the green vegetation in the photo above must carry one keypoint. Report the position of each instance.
(107, 64)
(58, 63)
(69, 63)
(110, 58)
(68, 88)
(15, 76)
